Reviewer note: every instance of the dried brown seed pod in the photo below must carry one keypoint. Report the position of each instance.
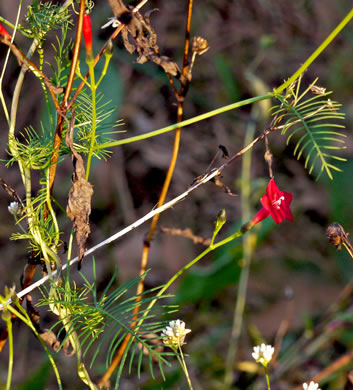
(336, 235)
(199, 45)
(318, 90)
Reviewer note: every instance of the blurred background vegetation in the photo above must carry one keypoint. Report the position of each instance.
(295, 274)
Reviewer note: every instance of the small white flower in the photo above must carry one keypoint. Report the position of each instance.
(263, 354)
(311, 386)
(174, 334)
(14, 209)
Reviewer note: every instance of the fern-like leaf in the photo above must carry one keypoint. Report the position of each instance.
(104, 132)
(102, 324)
(312, 123)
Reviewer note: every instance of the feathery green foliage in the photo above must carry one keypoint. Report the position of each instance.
(61, 57)
(315, 116)
(83, 108)
(43, 17)
(102, 322)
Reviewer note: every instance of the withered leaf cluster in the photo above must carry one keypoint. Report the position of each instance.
(138, 36)
(79, 203)
(217, 180)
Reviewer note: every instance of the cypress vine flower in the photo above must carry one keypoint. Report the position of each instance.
(276, 204)
(87, 34)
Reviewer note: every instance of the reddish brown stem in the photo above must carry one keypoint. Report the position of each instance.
(22, 59)
(166, 184)
(68, 89)
(98, 57)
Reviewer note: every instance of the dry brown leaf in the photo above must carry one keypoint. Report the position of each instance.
(50, 339)
(79, 203)
(46, 335)
(225, 153)
(143, 37)
(217, 180)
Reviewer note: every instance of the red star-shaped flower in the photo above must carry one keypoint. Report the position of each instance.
(275, 203)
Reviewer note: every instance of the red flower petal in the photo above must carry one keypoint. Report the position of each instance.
(4, 33)
(260, 216)
(277, 203)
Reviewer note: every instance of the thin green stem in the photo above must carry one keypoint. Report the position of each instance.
(105, 68)
(184, 367)
(14, 107)
(10, 338)
(233, 106)
(69, 250)
(267, 378)
(90, 63)
(247, 252)
(52, 213)
(72, 335)
(23, 316)
(6, 61)
(186, 122)
(317, 52)
(211, 248)
(25, 171)
(16, 26)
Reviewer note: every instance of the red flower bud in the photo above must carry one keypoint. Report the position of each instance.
(87, 33)
(4, 33)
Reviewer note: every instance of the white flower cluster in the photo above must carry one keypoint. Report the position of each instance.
(263, 354)
(174, 334)
(311, 386)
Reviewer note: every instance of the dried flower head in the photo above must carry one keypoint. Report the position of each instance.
(15, 209)
(174, 334)
(336, 235)
(263, 354)
(311, 386)
(318, 90)
(199, 45)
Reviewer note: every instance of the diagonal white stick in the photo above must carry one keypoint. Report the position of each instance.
(121, 233)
